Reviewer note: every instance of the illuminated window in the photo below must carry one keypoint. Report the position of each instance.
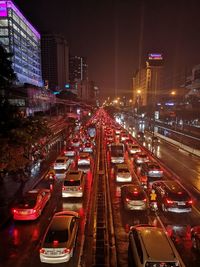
(4, 22)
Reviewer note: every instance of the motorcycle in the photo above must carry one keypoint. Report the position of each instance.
(153, 206)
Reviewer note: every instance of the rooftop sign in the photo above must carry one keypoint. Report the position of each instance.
(155, 57)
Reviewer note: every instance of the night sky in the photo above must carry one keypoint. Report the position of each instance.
(108, 33)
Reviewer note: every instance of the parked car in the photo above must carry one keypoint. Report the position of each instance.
(31, 205)
(172, 196)
(134, 197)
(59, 240)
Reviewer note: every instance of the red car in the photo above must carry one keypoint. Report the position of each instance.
(31, 205)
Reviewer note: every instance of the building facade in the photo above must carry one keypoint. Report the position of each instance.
(55, 61)
(19, 37)
(148, 82)
(78, 76)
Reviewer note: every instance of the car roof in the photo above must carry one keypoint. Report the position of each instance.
(75, 175)
(154, 239)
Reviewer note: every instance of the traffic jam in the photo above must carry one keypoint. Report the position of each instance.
(155, 217)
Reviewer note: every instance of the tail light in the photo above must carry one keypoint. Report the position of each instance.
(14, 211)
(80, 188)
(145, 200)
(42, 251)
(63, 188)
(169, 201)
(66, 251)
(190, 202)
(127, 199)
(33, 211)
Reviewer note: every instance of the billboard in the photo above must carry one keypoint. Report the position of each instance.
(3, 9)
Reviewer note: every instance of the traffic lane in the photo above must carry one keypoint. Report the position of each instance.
(123, 219)
(23, 243)
(185, 166)
(178, 227)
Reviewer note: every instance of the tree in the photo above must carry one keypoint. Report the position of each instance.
(7, 74)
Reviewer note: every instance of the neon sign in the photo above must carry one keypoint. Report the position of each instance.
(155, 57)
(3, 9)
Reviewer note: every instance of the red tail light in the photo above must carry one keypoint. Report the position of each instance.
(169, 201)
(63, 188)
(127, 199)
(80, 188)
(42, 251)
(33, 210)
(55, 242)
(14, 211)
(190, 202)
(66, 251)
(144, 199)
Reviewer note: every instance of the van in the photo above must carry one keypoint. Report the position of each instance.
(150, 246)
(73, 184)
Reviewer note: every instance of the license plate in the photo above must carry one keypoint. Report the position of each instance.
(181, 203)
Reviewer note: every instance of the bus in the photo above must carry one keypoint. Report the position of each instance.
(117, 153)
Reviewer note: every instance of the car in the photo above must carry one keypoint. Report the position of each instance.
(140, 136)
(69, 151)
(124, 136)
(62, 162)
(134, 197)
(151, 172)
(73, 184)
(122, 173)
(172, 196)
(59, 240)
(31, 205)
(83, 159)
(150, 246)
(75, 142)
(151, 169)
(140, 158)
(88, 147)
(195, 237)
(133, 149)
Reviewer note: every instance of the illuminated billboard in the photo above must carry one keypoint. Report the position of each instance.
(155, 56)
(3, 9)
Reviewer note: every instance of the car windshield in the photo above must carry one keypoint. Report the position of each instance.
(60, 235)
(178, 196)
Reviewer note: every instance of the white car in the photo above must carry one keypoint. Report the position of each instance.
(133, 149)
(60, 238)
(122, 173)
(83, 159)
(62, 163)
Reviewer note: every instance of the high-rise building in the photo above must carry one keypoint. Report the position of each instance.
(148, 82)
(78, 68)
(55, 61)
(19, 37)
(78, 75)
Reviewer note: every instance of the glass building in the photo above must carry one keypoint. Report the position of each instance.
(19, 37)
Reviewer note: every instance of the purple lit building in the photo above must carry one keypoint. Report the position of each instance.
(18, 36)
